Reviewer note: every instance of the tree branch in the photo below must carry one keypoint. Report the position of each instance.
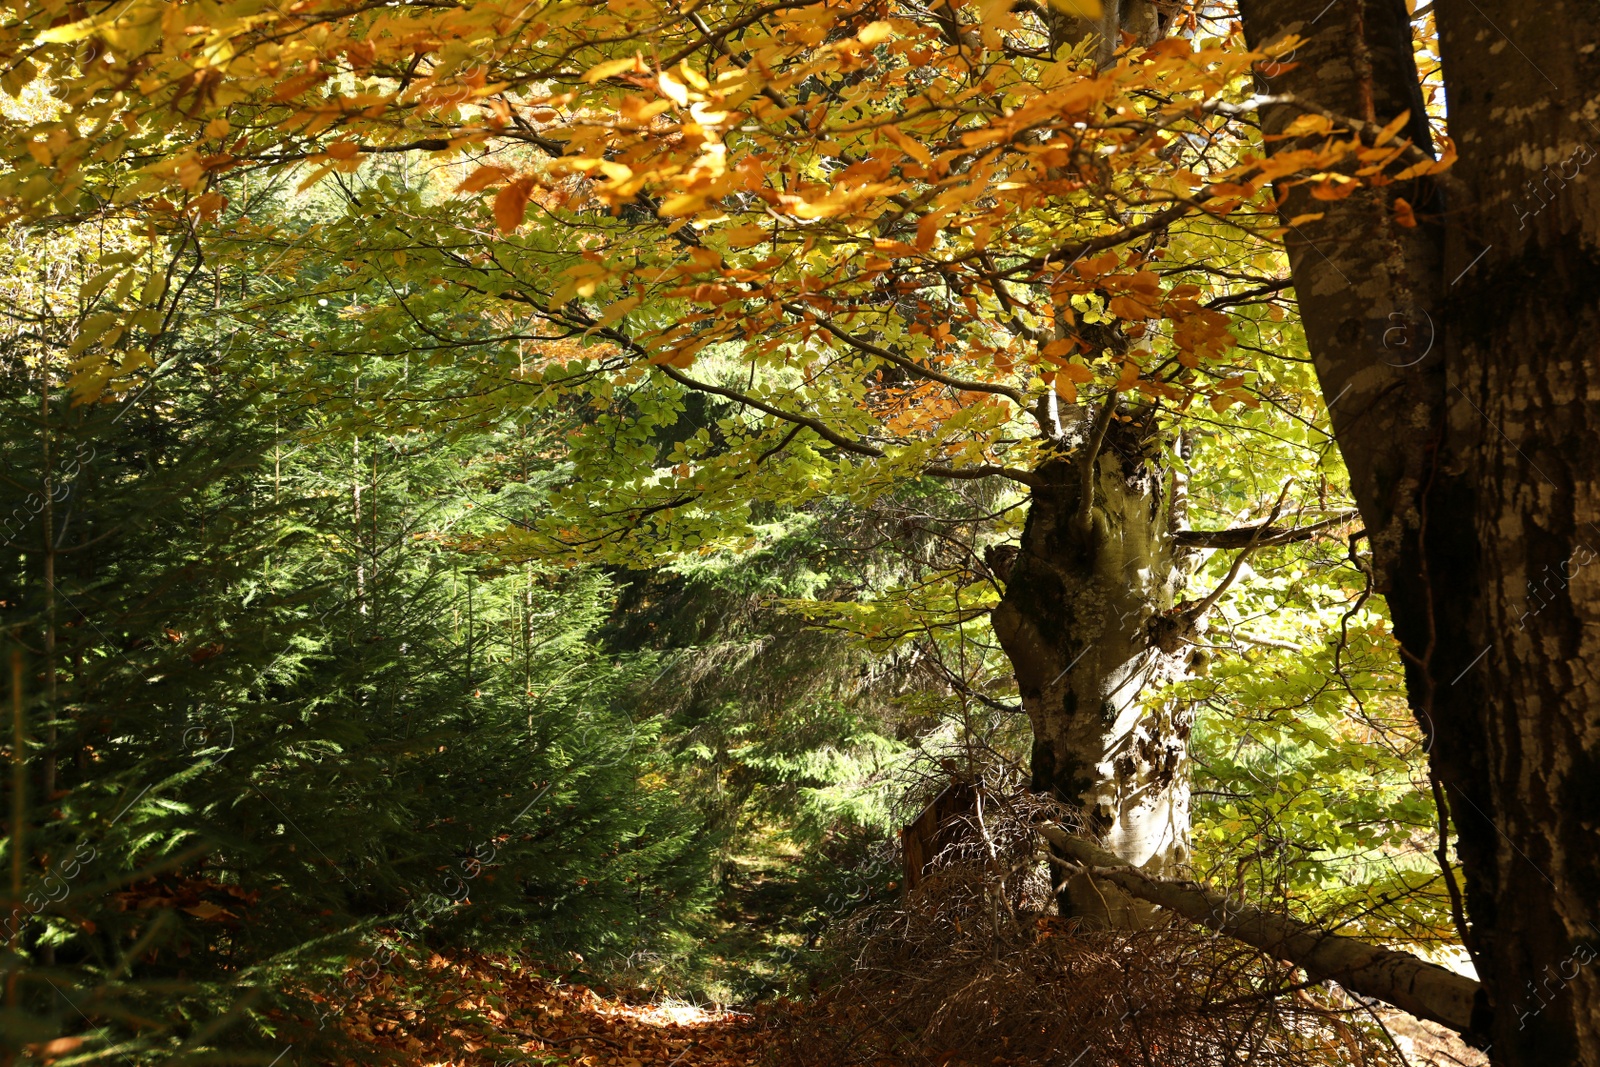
(1248, 536)
(1091, 452)
(908, 364)
(1424, 989)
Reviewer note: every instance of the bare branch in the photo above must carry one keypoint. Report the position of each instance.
(1424, 989)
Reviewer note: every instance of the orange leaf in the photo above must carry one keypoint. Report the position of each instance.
(290, 88)
(482, 178)
(207, 911)
(1334, 189)
(511, 203)
(1127, 308)
(1130, 374)
(1403, 214)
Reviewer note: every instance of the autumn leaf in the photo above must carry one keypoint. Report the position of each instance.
(290, 88)
(1386, 134)
(1334, 187)
(482, 178)
(511, 204)
(1403, 213)
(910, 145)
(611, 68)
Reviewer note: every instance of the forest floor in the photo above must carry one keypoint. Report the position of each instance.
(484, 1010)
(504, 1012)
(497, 1010)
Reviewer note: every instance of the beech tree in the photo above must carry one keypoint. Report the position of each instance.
(1455, 354)
(946, 292)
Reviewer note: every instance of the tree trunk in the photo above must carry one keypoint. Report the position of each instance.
(1522, 455)
(1144, 20)
(1087, 623)
(1474, 467)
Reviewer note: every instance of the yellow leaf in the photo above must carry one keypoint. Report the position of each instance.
(673, 89)
(217, 127)
(682, 204)
(93, 327)
(154, 289)
(72, 31)
(909, 145)
(1301, 220)
(874, 32)
(617, 310)
(1394, 127)
(692, 77)
(92, 287)
(611, 68)
(133, 34)
(1304, 125)
(745, 236)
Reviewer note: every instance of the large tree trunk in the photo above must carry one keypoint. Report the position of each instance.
(1522, 453)
(1475, 466)
(1087, 623)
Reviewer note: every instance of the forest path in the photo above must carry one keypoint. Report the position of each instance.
(500, 1011)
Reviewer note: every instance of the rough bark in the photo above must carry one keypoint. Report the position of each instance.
(1087, 623)
(1424, 989)
(1476, 468)
(1522, 454)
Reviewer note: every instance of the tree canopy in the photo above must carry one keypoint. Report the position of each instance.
(700, 418)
